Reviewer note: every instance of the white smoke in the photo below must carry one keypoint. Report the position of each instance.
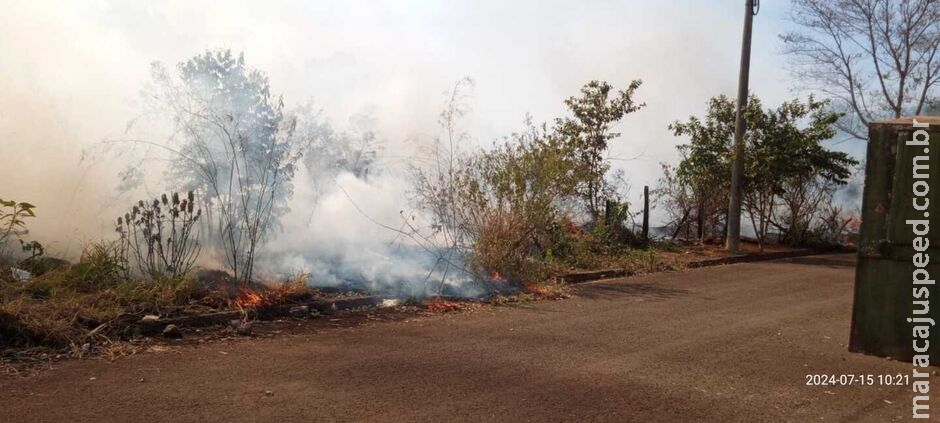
(395, 57)
(354, 235)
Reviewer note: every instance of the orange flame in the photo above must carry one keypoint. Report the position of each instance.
(497, 277)
(248, 298)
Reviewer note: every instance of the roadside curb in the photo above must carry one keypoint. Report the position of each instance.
(582, 277)
(747, 258)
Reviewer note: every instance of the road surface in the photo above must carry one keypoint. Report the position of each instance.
(722, 344)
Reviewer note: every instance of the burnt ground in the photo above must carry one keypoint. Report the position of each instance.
(728, 343)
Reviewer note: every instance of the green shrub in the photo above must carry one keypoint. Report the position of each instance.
(13, 216)
(100, 267)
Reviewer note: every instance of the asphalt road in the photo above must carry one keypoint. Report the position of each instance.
(722, 344)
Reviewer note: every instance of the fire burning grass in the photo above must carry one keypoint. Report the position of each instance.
(88, 308)
(218, 290)
(75, 308)
(289, 292)
(81, 309)
(248, 298)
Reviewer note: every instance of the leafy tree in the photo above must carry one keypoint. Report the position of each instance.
(789, 174)
(237, 149)
(329, 152)
(705, 164)
(793, 165)
(503, 209)
(589, 132)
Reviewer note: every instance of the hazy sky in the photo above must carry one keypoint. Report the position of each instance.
(72, 71)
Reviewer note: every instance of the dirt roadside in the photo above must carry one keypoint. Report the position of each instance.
(728, 343)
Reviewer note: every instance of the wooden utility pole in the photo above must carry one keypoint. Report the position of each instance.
(732, 243)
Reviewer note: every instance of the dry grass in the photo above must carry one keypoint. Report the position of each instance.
(549, 290)
(85, 308)
(67, 307)
(73, 308)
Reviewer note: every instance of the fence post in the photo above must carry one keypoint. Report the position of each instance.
(646, 213)
(701, 221)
